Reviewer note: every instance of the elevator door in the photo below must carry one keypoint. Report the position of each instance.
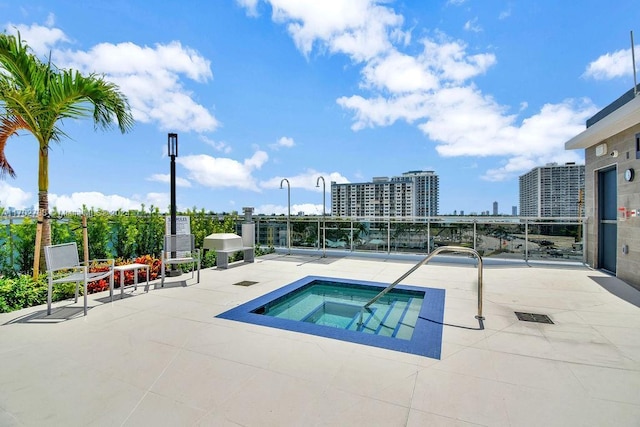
(607, 221)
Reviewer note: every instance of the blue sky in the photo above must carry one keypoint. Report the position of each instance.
(259, 90)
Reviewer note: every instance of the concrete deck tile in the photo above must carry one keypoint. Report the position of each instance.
(163, 358)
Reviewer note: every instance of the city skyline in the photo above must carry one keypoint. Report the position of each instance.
(259, 91)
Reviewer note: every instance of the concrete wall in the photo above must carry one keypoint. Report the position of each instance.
(628, 265)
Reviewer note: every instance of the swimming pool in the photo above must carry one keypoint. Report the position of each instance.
(407, 319)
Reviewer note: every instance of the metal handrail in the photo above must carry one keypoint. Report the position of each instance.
(426, 260)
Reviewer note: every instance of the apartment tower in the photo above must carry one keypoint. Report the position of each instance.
(413, 194)
(552, 191)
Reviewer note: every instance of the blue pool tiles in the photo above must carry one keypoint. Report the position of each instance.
(425, 341)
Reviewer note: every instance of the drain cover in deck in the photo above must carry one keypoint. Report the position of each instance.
(533, 317)
(245, 283)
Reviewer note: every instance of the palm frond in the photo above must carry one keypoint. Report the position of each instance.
(9, 125)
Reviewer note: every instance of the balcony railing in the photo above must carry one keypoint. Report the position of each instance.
(509, 237)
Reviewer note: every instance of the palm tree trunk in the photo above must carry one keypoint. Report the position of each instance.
(43, 200)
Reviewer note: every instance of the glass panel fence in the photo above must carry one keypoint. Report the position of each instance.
(512, 238)
(371, 236)
(501, 240)
(555, 241)
(549, 239)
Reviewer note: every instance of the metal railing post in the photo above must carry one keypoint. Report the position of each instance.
(475, 234)
(584, 240)
(425, 261)
(351, 235)
(526, 240)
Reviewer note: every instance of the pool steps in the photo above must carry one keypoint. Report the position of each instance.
(392, 320)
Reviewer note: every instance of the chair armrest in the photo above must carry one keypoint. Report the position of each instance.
(109, 261)
(60, 273)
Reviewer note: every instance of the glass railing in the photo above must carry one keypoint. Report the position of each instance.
(522, 238)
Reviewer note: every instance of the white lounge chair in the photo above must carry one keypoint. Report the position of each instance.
(180, 249)
(64, 266)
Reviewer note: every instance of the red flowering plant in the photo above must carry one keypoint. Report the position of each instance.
(98, 285)
(129, 279)
(154, 267)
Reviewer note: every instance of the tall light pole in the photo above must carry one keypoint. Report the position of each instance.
(324, 192)
(428, 215)
(288, 213)
(172, 148)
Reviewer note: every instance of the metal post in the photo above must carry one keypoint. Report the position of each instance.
(324, 225)
(351, 235)
(584, 239)
(526, 240)
(11, 260)
(475, 234)
(288, 213)
(172, 147)
(633, 60)
(428, 216)
(258, 232)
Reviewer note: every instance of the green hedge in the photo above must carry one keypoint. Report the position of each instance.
(120, 234)
(20, 292)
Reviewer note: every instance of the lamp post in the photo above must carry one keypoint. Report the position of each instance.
(288, 213)
(172, 148)
(324, 192)
(428, 215)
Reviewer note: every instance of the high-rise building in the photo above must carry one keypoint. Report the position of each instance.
(414, 193)
(514, 210)
(552, 190)
(495, 208)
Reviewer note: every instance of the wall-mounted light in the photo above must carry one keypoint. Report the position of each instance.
(601, 150)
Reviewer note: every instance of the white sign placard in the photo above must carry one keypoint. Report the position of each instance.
(183, 224)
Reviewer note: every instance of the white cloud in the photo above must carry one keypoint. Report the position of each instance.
(307, 208)
(515, 166)
(472, 25)
(92, 199)
(432, 89)
(223, 172)
(440, 63)
(463, 122)
(250, 5)
(161, 201)
(382, 111)
(612, 65)
(399, 73)
(166, 179)
(358, 28)
(285, 142)
(217, 145)
(14, 197)
(306, 180)
(449, 59)
(150, 77)
(505, 14)
(41, 40)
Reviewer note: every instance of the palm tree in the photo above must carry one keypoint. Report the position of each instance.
(36, 97)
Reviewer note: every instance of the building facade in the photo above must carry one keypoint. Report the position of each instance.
(612, 192)
(414, 193)
(552, 191)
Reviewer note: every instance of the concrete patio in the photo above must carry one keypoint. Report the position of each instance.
(161, 358)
